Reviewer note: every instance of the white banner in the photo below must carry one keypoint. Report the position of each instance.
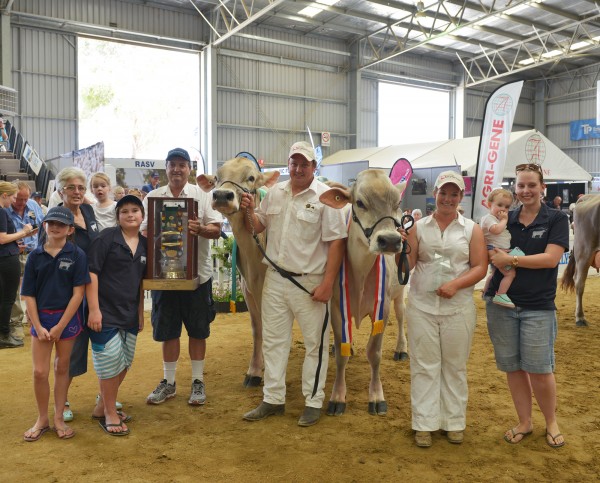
(598, 103)
(499, 114)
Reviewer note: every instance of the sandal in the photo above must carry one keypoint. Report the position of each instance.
(125, 418)
(35, 433)
(104, 425)
(553, 443)
(514, 434)
(64, 433)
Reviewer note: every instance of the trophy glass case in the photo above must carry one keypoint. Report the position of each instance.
(172, 262)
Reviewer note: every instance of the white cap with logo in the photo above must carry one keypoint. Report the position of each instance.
(453, 177)
(303, 148)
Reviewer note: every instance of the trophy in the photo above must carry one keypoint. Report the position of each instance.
(172, 249)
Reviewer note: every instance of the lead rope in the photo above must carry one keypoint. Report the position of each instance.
(285, 274)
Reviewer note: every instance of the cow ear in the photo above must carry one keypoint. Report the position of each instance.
(401, 187)
(270, 178)
(206, 182)
(335, 197)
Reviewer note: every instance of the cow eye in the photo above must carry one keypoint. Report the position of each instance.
(251, 179)
(360, 204)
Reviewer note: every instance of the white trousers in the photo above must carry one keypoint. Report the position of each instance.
(282, 302)
(439, 350)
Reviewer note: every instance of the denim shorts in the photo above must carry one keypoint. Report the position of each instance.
(523, 339)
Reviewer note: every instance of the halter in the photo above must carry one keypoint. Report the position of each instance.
(245, 190)
(369, 231)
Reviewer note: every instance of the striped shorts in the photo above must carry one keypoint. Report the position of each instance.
(112, 351)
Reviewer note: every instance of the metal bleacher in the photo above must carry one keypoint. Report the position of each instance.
(14, 166)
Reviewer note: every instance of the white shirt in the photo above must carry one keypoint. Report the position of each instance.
(500, 240)
(442, 257)
(206, 215)
(106, 217)
(299, 227)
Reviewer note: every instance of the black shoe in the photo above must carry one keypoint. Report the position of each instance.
(8, 341)
(263, 410)
(310, 416)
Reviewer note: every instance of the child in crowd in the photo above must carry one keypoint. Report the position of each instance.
(117, 260)
(118, 192)
(105, 208)
(497, 236)
(53, 285)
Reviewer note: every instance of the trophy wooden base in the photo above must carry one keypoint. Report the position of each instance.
(171, 284)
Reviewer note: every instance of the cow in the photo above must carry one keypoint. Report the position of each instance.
(233, 178)
(372, 232)
(585, 253)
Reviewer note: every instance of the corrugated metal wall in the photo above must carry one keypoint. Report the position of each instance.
(572, 99)
(44, 73)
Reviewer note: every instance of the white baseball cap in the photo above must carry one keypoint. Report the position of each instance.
(453, 177)
(303, 148)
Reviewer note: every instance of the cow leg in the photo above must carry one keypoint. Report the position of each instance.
(401, 352)
(377, 404)
(337, 401)
(253, 377)
(581, 270)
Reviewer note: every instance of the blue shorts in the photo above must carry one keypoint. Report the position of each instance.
(112, 350)
(523, 339)
(51, 318)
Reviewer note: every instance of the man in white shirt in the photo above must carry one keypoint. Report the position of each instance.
(172, 308)
(307, 239)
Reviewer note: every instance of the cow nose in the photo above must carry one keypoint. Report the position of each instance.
(223, 196)
(391, 243)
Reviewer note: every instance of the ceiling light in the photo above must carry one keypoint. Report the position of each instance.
(420, 10)
(552, 53)
(327, 2)
(580, 45)
(527, 61)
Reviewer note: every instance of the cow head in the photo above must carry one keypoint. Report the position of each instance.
(375, 208)
(233, 178)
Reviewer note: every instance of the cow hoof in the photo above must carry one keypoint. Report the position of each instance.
(378, 408)
(400, 356)
(252, 381)
(581, 323)
(335, 408)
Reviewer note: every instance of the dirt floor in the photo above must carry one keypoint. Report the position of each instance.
(174, 442)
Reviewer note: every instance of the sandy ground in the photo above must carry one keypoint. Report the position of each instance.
(174, 442)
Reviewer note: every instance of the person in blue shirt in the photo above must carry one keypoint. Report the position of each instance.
(23, 211)
(154, 179)
(54, 282)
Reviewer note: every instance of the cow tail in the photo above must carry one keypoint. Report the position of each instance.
(568, 282)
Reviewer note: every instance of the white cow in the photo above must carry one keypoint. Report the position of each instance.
(233, 178)
(372, 231)
(585, 253)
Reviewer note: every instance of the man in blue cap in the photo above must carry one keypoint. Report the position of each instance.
(171, 309)
(154, 179)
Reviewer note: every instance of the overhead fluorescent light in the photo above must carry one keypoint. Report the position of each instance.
(327, 2)
(552, 53)
(580, 45)
(526, 61)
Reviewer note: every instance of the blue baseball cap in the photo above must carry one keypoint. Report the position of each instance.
(179, 153)
(60, 214)
(155, 174)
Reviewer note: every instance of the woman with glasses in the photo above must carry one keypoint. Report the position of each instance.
(523, 337)
(71, 185)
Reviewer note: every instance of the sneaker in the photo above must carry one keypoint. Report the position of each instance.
(502, 299)
(118, 405)
(162, 392)
(198, 395)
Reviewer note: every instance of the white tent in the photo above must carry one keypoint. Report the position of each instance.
(524, 147)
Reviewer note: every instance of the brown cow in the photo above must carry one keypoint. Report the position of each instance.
(233, 178)
(586, 247)
(373, 231)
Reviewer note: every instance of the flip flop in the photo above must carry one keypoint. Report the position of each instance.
(104, 425)
(67, 432)
(553, 437)
(33, 430)
(125, 418)
(509, 439)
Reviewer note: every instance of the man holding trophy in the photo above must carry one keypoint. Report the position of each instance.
(173, 308)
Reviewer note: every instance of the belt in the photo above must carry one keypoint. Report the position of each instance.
(290, 273)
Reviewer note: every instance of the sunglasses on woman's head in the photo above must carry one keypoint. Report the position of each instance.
(528, 167)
